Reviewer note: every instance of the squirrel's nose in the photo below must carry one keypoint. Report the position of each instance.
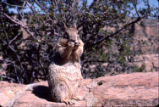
(77, 43)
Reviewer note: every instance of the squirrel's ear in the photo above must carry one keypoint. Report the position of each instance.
(80, 28)
(65, 26)
(74, 25)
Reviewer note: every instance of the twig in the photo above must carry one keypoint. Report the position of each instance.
(13, 4)
(44, 9)
(134, 4)
(93, 3)
(10, 42)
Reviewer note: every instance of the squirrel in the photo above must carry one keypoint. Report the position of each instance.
(65, 71)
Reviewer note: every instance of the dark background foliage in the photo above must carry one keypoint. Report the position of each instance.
(29, 33)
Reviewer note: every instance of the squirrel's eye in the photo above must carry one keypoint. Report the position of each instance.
(66, 36)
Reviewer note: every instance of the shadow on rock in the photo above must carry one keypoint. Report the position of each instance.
(42, 92)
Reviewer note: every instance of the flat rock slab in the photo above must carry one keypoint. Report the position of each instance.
(135, 89)
(8, 91)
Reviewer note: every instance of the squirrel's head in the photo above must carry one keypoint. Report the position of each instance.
(72, 33)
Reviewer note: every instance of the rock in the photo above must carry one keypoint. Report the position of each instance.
(8, 91)
(145, 36)
(128, 89)
(136, 89)
(151, 61)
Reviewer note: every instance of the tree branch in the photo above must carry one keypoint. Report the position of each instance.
(134, 4)
(93, 3)
(15, 21)
(118, 31)
(21, 24)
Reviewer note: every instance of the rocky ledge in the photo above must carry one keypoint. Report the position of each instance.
(136, 89)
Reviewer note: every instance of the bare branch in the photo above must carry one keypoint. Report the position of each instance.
(118, 31)
(15, 21)
(5, 33)
(32, 9)
(20, 23)
(44, 9)
(93, 3)
(134, 4)
(12, 4)
(10, 42)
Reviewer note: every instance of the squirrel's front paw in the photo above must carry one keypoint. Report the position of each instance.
(71, 44)
(77, 43)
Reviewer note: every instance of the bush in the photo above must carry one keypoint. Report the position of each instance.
(28, 39)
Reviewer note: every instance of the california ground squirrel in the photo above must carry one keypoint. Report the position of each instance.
(65, 71)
